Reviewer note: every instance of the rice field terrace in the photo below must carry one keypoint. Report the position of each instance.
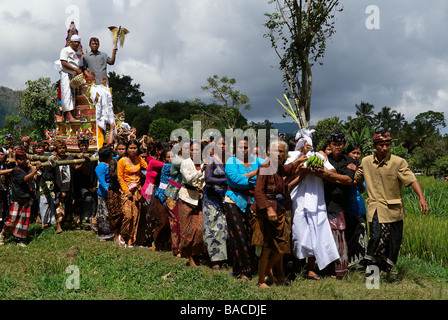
(74, 265)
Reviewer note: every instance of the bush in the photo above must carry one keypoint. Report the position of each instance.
(440, 168)
(161, 129)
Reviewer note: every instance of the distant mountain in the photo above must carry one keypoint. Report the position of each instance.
(286, 127)
(9, 103)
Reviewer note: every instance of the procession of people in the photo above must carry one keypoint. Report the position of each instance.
(251, 212)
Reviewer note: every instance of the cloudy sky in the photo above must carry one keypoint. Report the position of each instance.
(174, 45)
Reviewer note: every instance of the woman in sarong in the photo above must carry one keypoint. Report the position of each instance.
(190, 205)
(161, 233)
(271, 213)
(149, 221)
(114, 195)
(241, 174)
(215, 225)
(311, 232)
(172, 197)
(128, 173)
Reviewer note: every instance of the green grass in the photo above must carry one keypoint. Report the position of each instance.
(108, 272)
(426, 237)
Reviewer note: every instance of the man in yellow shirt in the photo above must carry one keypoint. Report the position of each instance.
(385, 174)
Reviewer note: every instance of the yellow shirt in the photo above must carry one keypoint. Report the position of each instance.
(128, 173)
(384, 181)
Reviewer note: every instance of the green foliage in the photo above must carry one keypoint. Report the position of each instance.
(440, 167)
(161, 129)
(39, 103)
(425, 156)
(108, 272)
(124, 93)
(364, 139)
(230, 100)
(323, 129)
(425, 237)
(401, 151)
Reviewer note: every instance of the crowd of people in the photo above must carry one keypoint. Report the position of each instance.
(256, 211)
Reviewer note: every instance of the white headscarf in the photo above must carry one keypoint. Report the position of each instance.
(302, 136)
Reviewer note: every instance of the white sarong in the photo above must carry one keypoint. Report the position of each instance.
(67, 92)
(311, 232)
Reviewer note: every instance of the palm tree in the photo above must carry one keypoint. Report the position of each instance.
(385, 119)
(365, 110)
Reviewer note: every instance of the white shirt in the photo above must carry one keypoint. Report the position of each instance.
(74, 58)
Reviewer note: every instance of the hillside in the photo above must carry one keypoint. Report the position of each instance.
(9, 103)
(286, 127)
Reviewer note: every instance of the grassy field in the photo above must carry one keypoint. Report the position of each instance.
(44, 271)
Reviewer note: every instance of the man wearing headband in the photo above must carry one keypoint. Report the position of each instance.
(85, 181)
(71, 66)
(97, 61)
(22, 193)
(385, 174)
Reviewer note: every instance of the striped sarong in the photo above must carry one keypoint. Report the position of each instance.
(19, 219)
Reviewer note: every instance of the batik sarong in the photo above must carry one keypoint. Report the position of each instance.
(240, 250)
(172, 207)
(191, 236)
(384, 243)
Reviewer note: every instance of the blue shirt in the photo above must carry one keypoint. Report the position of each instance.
(102, 172)
(356, 204)
(165, 176)
(235, 170)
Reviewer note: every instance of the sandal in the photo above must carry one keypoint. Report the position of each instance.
(244, 278)
(121, 242)
(313, 277)
(94, 224)
(216, 268)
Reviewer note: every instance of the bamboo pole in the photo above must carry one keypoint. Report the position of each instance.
(52, 163)
(53, 160)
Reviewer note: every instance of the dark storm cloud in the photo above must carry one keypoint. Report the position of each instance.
(175, 45)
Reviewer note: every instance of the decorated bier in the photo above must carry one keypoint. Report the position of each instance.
(93, 118)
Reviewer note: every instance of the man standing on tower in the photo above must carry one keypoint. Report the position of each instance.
(97, 61)
(71, 66)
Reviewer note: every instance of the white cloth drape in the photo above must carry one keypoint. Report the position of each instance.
(311, 232)
(103, 105)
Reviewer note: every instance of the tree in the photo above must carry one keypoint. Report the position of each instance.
(323, 129)
(365, 110)
(15, 125)
(161, 129)
(385, 119)
(39, 103)
(124, 93)
(299, 30)
(425, 155)
(425, 125)
(440, 168)
(229, 99)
